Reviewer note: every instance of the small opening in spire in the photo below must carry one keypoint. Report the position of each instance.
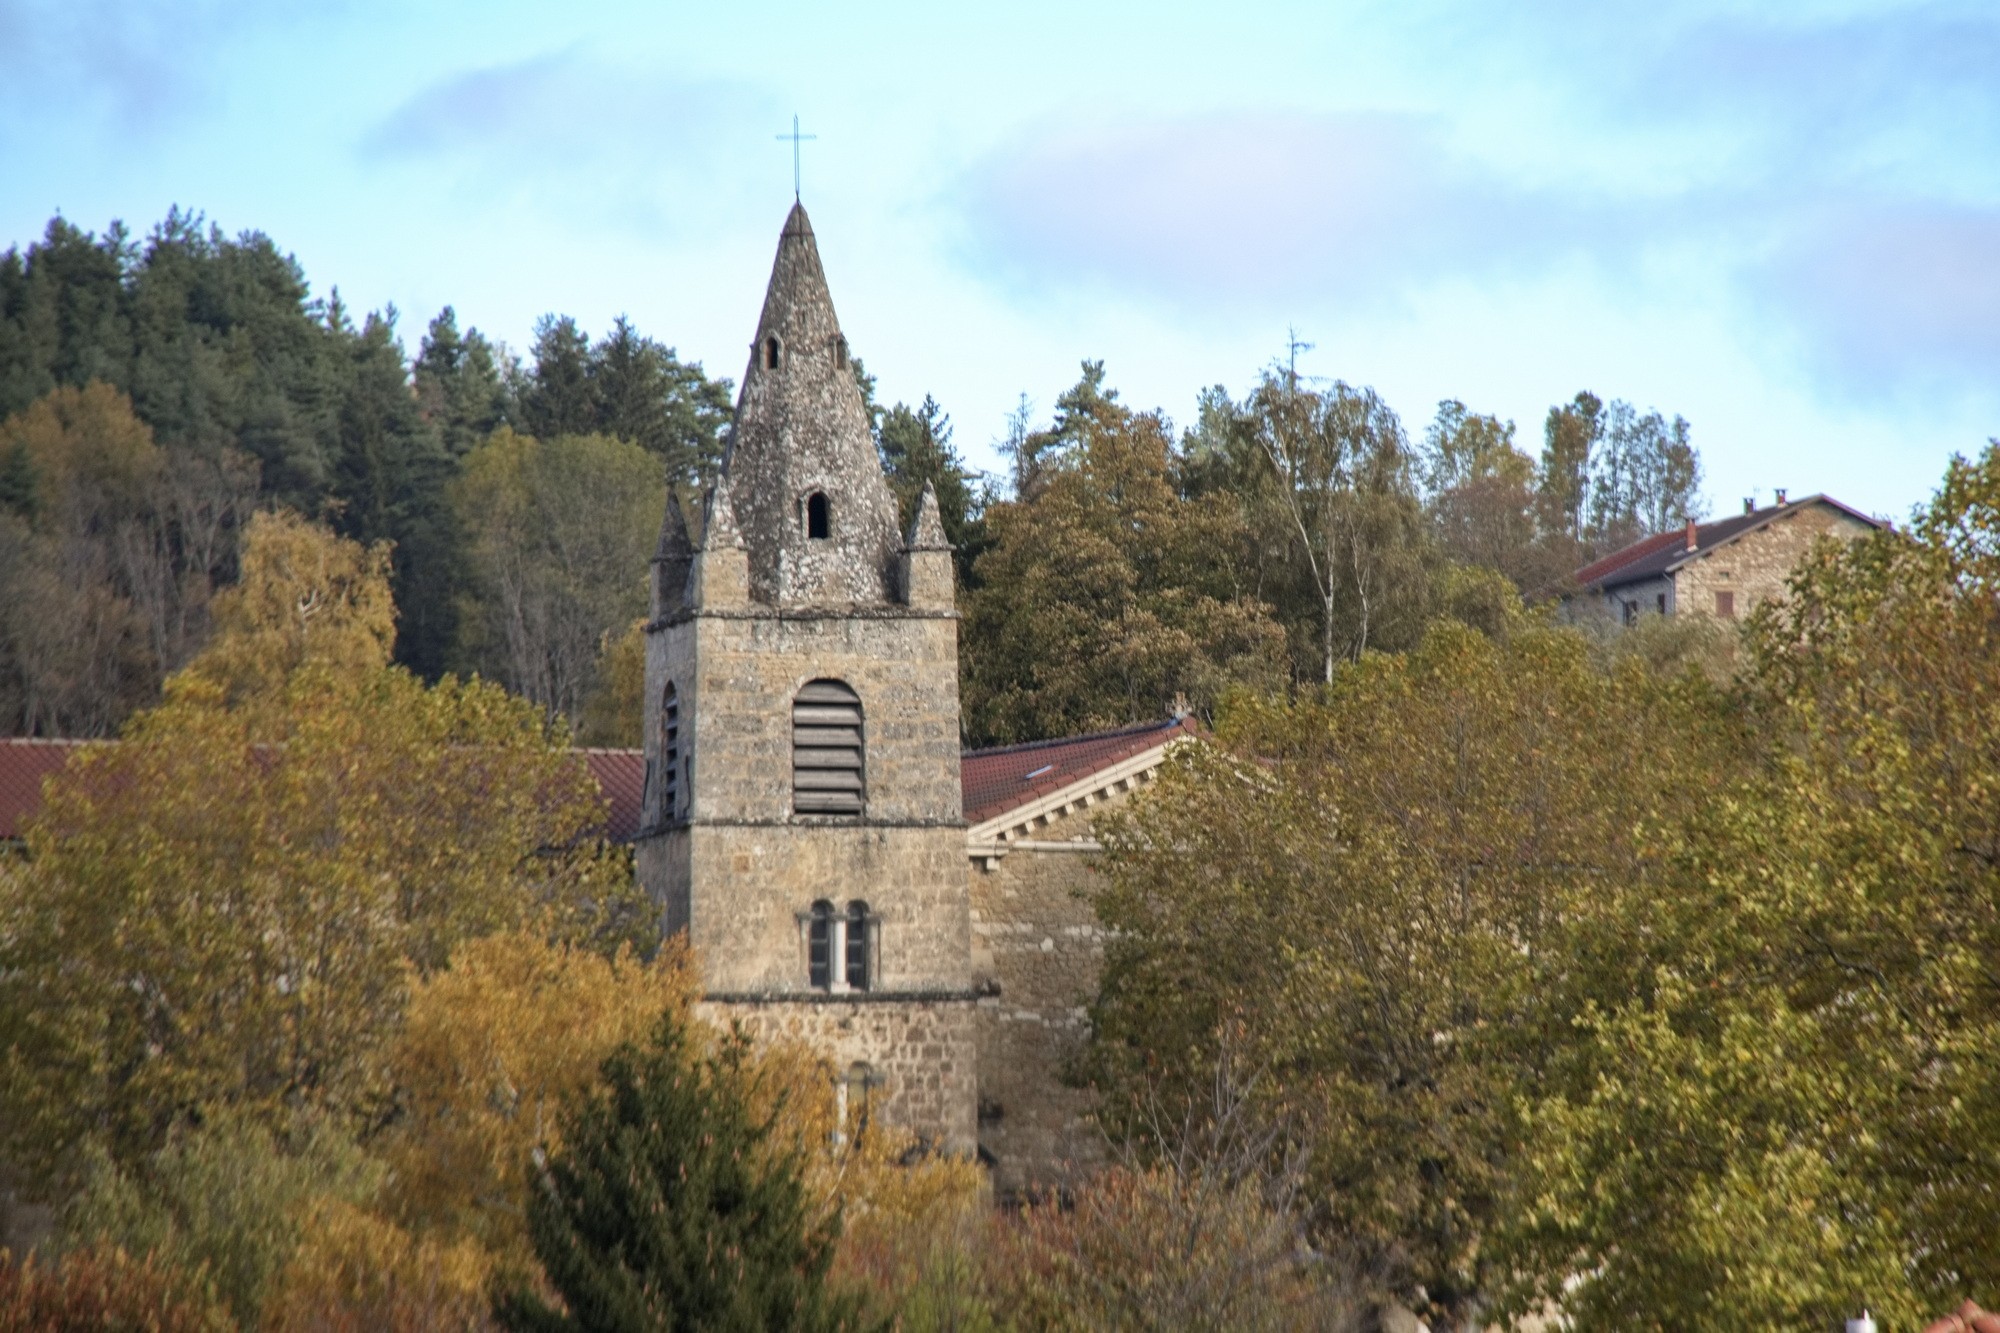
(771, 352)
(840, 353)
(816, 515)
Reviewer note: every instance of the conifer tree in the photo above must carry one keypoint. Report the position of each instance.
(672, 1205)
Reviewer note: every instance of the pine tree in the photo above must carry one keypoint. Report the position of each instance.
(671, 1206)
(560, 397)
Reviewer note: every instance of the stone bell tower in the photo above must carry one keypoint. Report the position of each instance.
(803, 819)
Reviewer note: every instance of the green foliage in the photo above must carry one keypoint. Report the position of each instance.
(101, 1291)
(226, 1204)
(672, 1204)
(1105, 594)
(916, 451)
(559, 532)
(1780, 1105)
(1363, 890)
(627, 386)
(459, 386)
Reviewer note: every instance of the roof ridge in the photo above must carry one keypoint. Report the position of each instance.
(1022, 747)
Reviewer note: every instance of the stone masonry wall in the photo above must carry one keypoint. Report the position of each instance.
(1036, 937)
(1755, 566)
(920, 1054)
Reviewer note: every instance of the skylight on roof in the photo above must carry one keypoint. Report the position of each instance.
(1045, 768)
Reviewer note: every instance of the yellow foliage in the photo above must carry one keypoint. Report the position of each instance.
(224, 909)
(85, 447)
(356, 1272)
(305, 596)
(615, 711)
(489, 1052)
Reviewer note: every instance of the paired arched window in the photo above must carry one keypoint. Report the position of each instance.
(670, 755)
(819, 516)
(827, 750)
(771, 352)
(819, 946)
(840, 945)
(857, 945)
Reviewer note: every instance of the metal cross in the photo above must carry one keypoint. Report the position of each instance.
(796, 139)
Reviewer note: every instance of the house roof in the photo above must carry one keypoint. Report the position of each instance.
(1664, 552)
(995, 781)
(24, 764)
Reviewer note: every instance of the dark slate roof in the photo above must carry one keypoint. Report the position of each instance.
(1663, 552)
(995, 781)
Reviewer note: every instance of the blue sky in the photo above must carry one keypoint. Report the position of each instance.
(1782, 221)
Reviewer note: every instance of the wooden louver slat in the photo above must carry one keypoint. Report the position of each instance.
(827, 769)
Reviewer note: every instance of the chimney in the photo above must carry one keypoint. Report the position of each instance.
(1749, 504)
(1693, 540)
(1781, 497)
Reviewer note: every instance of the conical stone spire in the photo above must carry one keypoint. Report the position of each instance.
(817, 516)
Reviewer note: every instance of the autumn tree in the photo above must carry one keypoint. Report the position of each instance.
(224, 909)
(1479, 493)
(1780, 1105)
(1362, 888)
(559, 533)
(110, 549)
(1105, 595)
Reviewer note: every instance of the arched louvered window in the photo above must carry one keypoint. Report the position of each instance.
(670, 755)
(827, 764)
(819, 515)
(819, 946)
(771, 352)
(857, 945)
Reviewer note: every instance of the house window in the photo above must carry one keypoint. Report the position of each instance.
(1631, 612)
(818, 519)
(827, 761)
(670, 755)
(771, 352)
(819, 946)
(1725, 605)
(1662, 600)
(857, 945)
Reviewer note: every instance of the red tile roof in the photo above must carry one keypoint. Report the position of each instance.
(622, 775)
(23, 765)
(1650, 557)
(995, 781)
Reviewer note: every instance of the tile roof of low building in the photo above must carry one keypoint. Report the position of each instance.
(1663, 552)
(995, 781)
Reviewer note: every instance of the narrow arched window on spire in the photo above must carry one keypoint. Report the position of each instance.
(840, 352)
(771, 352)
(819, 519)
(827, 767)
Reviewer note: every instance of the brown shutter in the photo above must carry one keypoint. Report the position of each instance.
(827, 768)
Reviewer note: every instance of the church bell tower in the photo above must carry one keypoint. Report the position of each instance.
(803, 819)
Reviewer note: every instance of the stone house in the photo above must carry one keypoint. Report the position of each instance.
(1722, 569)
